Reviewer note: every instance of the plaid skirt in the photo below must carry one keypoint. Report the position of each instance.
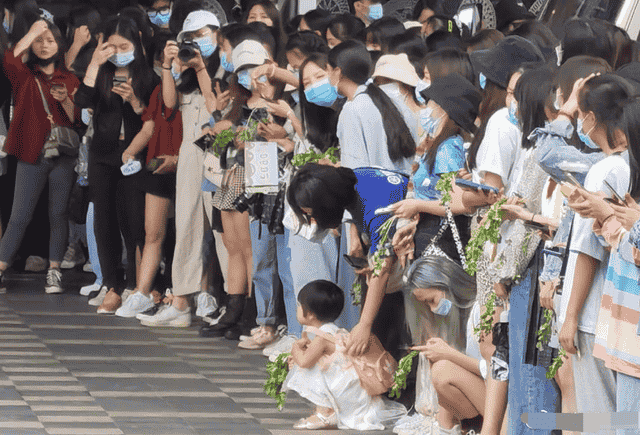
(232, 187)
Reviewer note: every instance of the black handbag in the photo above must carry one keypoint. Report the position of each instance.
(63, 139)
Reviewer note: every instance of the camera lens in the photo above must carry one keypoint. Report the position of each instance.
(187, 51)
(241, 203)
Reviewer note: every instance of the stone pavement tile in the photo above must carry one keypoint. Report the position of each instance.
(154, 426)
(159, 367)
(194, 404)
(150, 404)
(229, 427)
(116, 385)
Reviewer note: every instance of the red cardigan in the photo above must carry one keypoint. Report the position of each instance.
(30, 127)
(167, 136)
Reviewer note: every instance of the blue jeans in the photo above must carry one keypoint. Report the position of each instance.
(346, 277)
(529, 389)
(309, 262)
(271, 259)
(627, 398)
(92, 246)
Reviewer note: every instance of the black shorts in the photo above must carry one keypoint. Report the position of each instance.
(163, 186)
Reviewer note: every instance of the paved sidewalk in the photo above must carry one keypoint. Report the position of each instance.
(66, 370)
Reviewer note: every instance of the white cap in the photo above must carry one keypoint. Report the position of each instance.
(411, 24)
(196, 20)
(397, 67)
(248, 52)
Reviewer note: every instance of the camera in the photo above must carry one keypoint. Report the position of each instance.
(187, 50)
(242, 202)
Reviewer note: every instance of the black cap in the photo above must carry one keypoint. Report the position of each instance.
(631, 72)
(508, 11)
(458, 97)
(498, 62)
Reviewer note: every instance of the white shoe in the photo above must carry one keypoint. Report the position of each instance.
(87, 267)
(97, 301)
(169, 317)
(73, 257)
(253, 332)
(141, 316)
(135, 304)
(206, 304)
(283, 345)
(54, 282)
(126, 293)
(88, 289)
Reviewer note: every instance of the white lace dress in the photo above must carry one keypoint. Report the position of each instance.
(333, 383)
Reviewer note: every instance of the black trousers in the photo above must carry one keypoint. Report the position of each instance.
(118, 210)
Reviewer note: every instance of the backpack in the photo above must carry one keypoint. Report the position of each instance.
(375, 368)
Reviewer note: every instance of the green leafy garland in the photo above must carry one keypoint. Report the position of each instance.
(556, 364)
(277, 372)
(313, 157)
(544, 333)
(488, 232)
(221, 140)
(400, 376)
(445, 186)
(356, 292)
(383, 250)
(486, 318)
(249, 133)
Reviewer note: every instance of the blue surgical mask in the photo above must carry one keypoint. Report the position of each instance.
(421, 86)
(375, 12)
(584, 137)
(160, 18)
(296, 96)
(122, 59)
(244, 78)
(321, 93)
(86, 116)
(513, 114)
(429, 123)
(206, 46)
(7, 27)
(175, 73)
(227, 66)
(483, 80)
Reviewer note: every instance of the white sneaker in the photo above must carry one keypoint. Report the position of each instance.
(141, 316)
(126, 293)
(97, 301)
(73, 257)
(206, 304)
(283, 345)
(88, 289)
(169, 317)
(87, 267)
(135, 304)
(253, 332)
(54, 282)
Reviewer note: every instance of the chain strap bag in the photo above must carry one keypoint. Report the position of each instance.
(61, 139)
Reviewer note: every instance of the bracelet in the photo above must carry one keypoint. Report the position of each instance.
(567, 114)
(273, 71)
(166, 67)
(607, 218)
(533, 216)
(201, 69)
(289, 113)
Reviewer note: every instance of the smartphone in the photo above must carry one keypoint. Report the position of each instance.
(356, 262)
(571, 179)
(117, 80)
(615, 194)
(154, 164)
(204, 142)
(58, 87)
(537, 226)
(470, 185)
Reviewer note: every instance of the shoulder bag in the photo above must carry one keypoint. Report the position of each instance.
(63, 139)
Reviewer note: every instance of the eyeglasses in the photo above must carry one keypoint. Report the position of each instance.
(163, 12)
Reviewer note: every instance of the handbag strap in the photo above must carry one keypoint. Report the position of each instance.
(450, 222)
(44, 102)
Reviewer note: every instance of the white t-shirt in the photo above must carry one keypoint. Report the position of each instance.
(614, 169)
(473, 347)
(500, 149)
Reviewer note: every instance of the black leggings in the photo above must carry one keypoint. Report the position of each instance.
(118, 209)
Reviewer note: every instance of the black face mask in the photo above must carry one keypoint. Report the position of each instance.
(45, 62)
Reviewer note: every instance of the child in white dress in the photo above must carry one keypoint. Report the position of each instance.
(323, 374)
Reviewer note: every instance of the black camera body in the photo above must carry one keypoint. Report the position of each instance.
(187, 50)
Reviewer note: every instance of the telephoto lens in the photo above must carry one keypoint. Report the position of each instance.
(242, 202)
(187, 50)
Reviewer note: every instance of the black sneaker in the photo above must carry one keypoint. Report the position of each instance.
(54, 281)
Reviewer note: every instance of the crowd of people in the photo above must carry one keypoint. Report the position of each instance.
(142, 123)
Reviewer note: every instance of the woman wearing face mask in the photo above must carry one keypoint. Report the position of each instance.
(117, 86)
(186, 84)
(159, 12)
(367, 10)
(43, 46)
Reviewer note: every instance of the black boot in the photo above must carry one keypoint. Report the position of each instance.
(247, 321)
(235, 307)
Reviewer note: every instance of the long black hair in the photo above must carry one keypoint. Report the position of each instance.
(306, 42)
(355, 64)
(58, 58)
(319, 123)
(534, 93)
(142, 76)
(328, 191)
(631, 128)
(78, 17)
(345, 27)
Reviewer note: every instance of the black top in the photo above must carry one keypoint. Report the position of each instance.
(428, 227)
(108, 117)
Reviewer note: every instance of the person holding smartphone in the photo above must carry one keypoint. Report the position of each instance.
(117, 86)
(43, 47)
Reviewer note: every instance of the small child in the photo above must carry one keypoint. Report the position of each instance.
(323, 374)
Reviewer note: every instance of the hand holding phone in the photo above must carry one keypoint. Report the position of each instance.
(616, 199)
(356, 262)
(470, 185)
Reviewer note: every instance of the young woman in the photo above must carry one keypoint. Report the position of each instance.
(44, 69)
(117, 86)
(344, 27)
(264, 11)
(194, 96)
